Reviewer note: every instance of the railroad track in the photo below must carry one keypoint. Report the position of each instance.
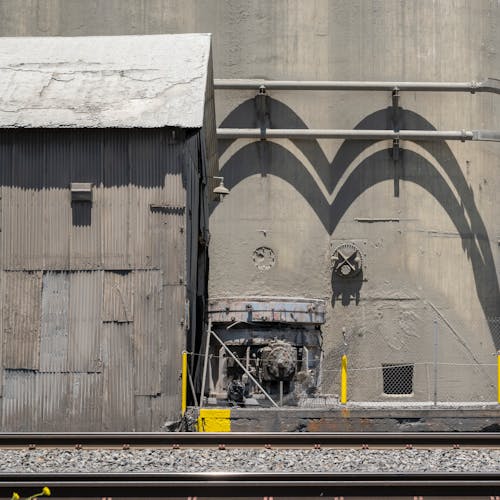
(250, 439)
(254, 485)
(234, 485)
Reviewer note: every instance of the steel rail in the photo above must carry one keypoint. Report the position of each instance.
(490, 85)
(356, 134)
(234, 484)
(283, 439)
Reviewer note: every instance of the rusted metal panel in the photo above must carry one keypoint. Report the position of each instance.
(172, 343)
(85, 299)
(147, 331)
(118, 376)
(117, 303)
(21, 319)
(267, 309)
(54, 322)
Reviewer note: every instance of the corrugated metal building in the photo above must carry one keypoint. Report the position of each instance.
(106, 144)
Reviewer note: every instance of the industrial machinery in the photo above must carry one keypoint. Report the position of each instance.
(263, 349)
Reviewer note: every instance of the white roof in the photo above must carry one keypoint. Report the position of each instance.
(104, 81)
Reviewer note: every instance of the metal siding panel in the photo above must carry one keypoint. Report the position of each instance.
(51, 396)
(116, 218)
(172, 343)
(85, 299)
(21, 319)
(147, 331)
(117, 303)
(57, 199)
(23, 206)
(85, 406)
(156, 190)
(174, 245)
(19, 410)
(85, 154)
(118, 377)
(143, 414)
(55, 322)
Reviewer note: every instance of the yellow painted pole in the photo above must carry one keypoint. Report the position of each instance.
(498, 376)
(343, 381)
(184, 382)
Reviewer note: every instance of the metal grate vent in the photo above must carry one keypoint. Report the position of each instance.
(398, 378)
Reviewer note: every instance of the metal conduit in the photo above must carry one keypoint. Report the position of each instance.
(490, 85)
(411, 135)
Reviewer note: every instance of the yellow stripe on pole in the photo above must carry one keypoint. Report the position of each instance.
(184, 382)
(343, 381)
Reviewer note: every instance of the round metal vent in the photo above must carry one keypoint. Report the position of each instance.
(264, 258)
(347, 260)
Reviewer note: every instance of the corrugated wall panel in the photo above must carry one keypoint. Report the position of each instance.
(55, 322)
(156, 190)
(172, 343)
(85, 244)
(143, 414)
(20, 411)
(116, 220)
(85, 407)
(57, 199)
(174, 245)
(147, 331)
(117, 303)
(85, 300)
(52, 396)
(23, 206)
(85, 153)
(23, 223)
(118, 377)
(21, 319)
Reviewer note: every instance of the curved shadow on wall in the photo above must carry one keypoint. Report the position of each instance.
(379, 167)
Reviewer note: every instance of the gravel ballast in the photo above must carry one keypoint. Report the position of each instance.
(250, 460)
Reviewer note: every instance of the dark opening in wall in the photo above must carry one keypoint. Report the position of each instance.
(398, 378)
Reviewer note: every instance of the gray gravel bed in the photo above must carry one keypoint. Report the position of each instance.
(250, 460)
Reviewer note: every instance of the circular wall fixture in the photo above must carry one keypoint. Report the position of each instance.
(347, 260)
(264, 258)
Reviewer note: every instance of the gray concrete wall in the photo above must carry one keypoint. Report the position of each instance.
(442, 255)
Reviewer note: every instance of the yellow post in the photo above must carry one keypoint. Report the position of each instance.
(343, 381)
(184, 382)
(498, 376)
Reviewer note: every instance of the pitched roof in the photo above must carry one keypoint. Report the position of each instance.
(104, 81)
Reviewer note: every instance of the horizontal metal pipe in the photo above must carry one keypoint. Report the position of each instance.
(412, 135)
(490, 85)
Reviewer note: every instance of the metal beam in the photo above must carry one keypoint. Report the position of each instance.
(409, 135)
(490, 85)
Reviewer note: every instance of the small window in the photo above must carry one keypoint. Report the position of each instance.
(398, 378)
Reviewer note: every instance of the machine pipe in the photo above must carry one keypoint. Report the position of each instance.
(411, 135)
(491, 85)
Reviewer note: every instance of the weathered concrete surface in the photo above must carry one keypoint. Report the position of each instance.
(122, 81)
(365, 420)
(302, 199)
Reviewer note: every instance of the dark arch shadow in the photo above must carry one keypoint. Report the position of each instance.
(377, 168)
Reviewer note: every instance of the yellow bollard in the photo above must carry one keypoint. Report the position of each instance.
(498, 376)
(343, 381)
(184, 382)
